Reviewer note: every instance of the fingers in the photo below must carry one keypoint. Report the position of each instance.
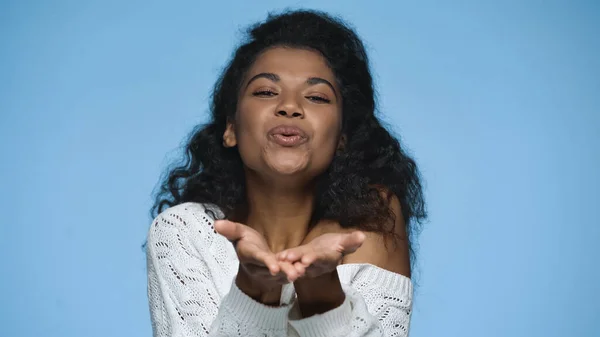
(288, 273)
(293, 254)
(290, 270)
(308, 259)
(300, 268)
(233, 231)
(301, 257)
(255, 255)
(351, 242)
(344, 243)
(275, 267)
(269, 260)
(248, 253)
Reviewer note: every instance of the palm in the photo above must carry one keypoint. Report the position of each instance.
(323, 253)
(256, 259)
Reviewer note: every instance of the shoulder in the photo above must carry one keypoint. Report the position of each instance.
(193, 208)
(188, 219)
(183, 248)
(390, 252)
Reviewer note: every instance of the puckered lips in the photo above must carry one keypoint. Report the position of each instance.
(288, 135)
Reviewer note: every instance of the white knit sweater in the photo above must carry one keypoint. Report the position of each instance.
(191, 289)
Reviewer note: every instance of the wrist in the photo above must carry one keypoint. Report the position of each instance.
(256, 290)
(319, 294)
(245, 284)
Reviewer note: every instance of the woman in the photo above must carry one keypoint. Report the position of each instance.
(293, 211)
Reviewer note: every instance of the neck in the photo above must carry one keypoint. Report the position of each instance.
(281, 213)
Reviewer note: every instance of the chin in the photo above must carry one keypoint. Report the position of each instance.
(288, 168)
(287, 163)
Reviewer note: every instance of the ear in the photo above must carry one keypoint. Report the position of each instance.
(342, 143)
(229, 139)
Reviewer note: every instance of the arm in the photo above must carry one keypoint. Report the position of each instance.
(376, 303)
(188, 288)
(372, 286)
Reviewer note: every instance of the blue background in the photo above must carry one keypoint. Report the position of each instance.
(499, 102)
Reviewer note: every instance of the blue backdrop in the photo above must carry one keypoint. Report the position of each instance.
(499, 102)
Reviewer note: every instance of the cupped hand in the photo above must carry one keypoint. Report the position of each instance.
(257, 261)
(322, 254)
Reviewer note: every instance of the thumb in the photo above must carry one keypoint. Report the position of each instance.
(351, 242)
(233, 231)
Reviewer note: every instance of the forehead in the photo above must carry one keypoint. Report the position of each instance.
(281, 60)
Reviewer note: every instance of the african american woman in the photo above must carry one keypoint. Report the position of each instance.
(294, 210)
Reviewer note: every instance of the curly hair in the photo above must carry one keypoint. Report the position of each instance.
(371, 161)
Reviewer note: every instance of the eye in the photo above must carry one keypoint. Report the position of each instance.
(264, 93)
(318, 99)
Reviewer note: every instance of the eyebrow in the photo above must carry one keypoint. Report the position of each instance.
(269, 76)
(318, 80)
(276, 78)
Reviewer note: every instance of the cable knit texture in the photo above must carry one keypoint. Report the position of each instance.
(191, 289)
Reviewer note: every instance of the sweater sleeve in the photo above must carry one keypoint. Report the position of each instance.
(378, 304)
(189, 272)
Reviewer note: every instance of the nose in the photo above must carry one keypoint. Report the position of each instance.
(290, 108)
(284, 113)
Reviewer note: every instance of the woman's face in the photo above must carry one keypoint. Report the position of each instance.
(289, 115)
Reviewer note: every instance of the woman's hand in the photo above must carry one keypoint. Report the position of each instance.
(260, 275)
(318, 257)
(322, 254)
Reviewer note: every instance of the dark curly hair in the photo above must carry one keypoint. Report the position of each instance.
(370, 162)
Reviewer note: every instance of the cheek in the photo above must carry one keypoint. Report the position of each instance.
(247, 137)
(249, 147)
(246, 122)
(328, 136)
(330, 127)
(249, 133)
